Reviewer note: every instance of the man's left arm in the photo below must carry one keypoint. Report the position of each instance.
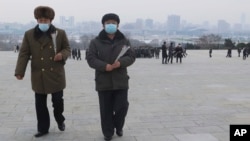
(128, 58)
(65, 50)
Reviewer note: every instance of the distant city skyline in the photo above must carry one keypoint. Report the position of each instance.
(191, 11)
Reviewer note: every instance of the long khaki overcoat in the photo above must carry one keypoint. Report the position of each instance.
(47, 75)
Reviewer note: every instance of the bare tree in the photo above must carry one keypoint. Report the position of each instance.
(209, 41)
(229, 43)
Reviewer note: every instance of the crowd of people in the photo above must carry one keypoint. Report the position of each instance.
(146, 52)
(76, 54)
(170, 52)
(245, 52)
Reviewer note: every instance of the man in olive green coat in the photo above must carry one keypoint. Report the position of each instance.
(47, 48)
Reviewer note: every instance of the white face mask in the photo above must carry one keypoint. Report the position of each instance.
(43, 26)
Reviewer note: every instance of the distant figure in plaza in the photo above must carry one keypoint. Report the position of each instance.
(229, 53)
(247, 49)
(79, 54)
(210, 52)
(86, 53)
(171, 52)
(157, 53)
(111, 78)
(245, 53)
(184, 54)
(164, 53)
(74, 53)
(179, 53)
(47, 48)
(16, 48)
(239, 51)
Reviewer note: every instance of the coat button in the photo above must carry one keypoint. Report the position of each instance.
(42, 58)
(51, 69)
(43, 69)
(51, 58)
(50, 46)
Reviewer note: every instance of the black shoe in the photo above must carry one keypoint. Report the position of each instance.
(61, 127)
(39, 134)
(107, 138)
(119, 133)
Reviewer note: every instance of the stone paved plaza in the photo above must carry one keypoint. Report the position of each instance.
(193, 101)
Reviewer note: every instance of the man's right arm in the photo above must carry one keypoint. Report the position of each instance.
(23, 58)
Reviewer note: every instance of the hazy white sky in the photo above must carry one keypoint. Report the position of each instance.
(195, 11)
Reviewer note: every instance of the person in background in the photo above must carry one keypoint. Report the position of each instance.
(111, 76)
(210, 52)
(239, 51)
(171, 53)
(229, 53)
(157, 52)
(179, 53)
(164, 53)
(79, 54)
(47, 67)
(244, 53)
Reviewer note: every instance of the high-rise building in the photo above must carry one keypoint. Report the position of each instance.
(139, 24)
(223, 26)
(173, 23)
(149, 23)
(243, 20)
(237, 27)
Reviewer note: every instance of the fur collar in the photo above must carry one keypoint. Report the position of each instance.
(103, 35)
(38, 33)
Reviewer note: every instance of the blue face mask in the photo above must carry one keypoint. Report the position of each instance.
(43, 27)
(110, 28)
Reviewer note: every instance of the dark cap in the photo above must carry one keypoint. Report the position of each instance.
(110, 16)
(44, 12)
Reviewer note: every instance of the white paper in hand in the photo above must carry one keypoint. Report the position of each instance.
(123, 51)
(53, 35)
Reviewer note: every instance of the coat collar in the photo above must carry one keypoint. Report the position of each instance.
(38, 33)
(103, 35)
(44, 37)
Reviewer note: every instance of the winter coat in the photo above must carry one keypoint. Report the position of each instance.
(164, 50)
(47, 75)
(103, 51)
(179, 51)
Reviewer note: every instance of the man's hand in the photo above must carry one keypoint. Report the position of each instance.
(19, 77)
(58, 57)
(109, 67)
(117, 64)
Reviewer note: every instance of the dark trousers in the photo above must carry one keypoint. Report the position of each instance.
(113, 109)
(164, 59)
(42, 112)
(170, 58)
(178, 58)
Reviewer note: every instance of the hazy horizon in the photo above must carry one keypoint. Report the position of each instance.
(192, 11)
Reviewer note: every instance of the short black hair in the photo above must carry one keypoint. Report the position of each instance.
(110, 16)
